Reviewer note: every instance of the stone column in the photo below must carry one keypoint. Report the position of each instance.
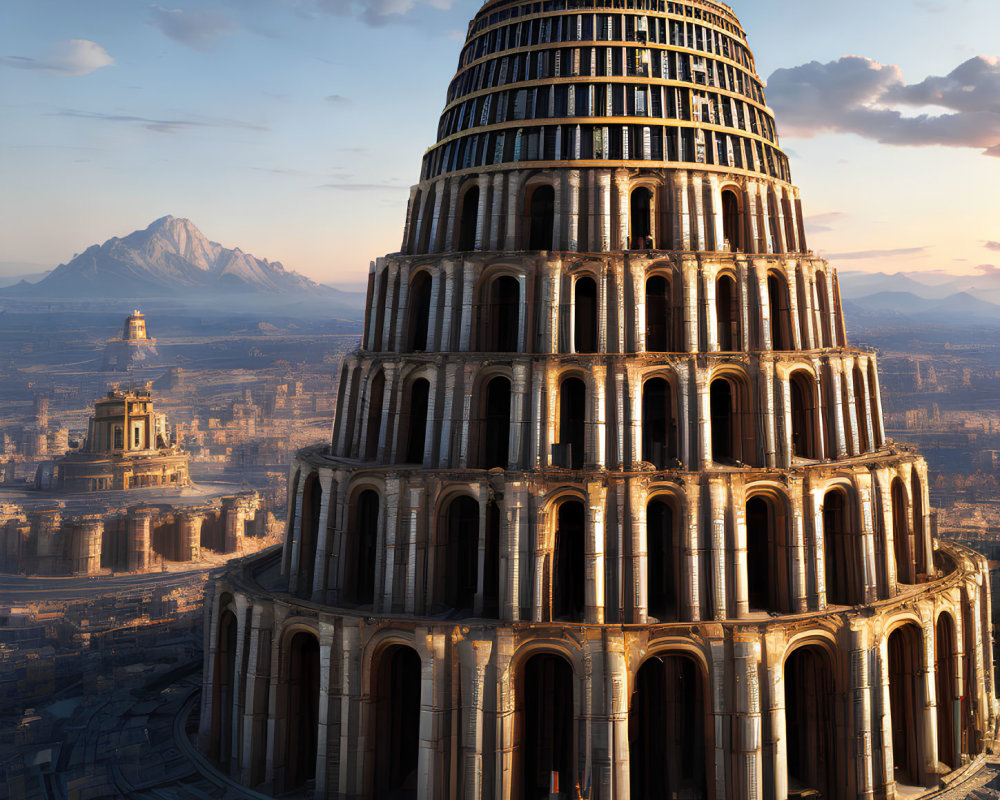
(779, 729)
(599, 443)
(435, 715)
(617, 698)
(770, 416)
(554, 280)
(838, 412)
(887, 780)
(353, 727)
(682, 218)
(406, 223)
(741, 578)
(710, 313)
(764, 297)
(929, 768)
(466, 401)
(557, 214)
(573, 221)
(190, 535)
(718, 505)
(518, 422)
(433, 335)
(139, 526)
(384, 598)
(385, 440)
(342, 421)
(594, 566)
(635, 392)
(703, 390)
(448, 274)
(684, 387)
(513, 209)
(468, 287)
(846, 368)
(722, 718)
(747, 722)
(691, 576)
(436, 219)
(323, 537)
(794, 314)
(689, 272)
(328, 717)
(716, 226)
(698, 240)
(400, 337)
(435, 397)
(511, 554)
(869, 420)
(453, 208)
(258, 673)
(414, 529)
(475, 656)
(484, 197)
(639, 589)
(819, 543)
(448, 413)
(861, 690)
(604, 196)
(498, 181)
(800, 556)
(624, 210)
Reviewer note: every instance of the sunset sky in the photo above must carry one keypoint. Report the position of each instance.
(293, 128)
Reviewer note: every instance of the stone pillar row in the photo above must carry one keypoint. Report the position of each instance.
(708, 541)
(470, 706)
(548, 290)
(761, 389)
(687, 209)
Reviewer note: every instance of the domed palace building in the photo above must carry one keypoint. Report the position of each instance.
(608, 510)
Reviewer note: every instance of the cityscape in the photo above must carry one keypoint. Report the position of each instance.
(593, 465)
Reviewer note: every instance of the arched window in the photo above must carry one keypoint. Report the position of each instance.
(420, 310)
(641, 203)
(585, 315)
(732, 223)
(223, 695)
(373, 430)
(906, 670)
(781, 315)
(545, 751)
(572, 422)
(842, 550)
(662, 560)
(767, 555)
(732, 422)
(312, 500)
(803, 396)
(362, 545)
(470, 220)
(416, 424)
(902, 534)
(948, 703)
(457, 557)
(863, 410)
(668, 741)
(824, 308)
(542, 217)
(660, 322)
(396, 723)
(919, 540)
(503, 315)
(727, 314)
(810, 720)
(568, 601)
(301, 711)
(495, 426)
(659, 424)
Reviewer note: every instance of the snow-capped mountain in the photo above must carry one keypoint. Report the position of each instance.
(170, 257)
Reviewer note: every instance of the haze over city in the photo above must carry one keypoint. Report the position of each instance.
(284, 128)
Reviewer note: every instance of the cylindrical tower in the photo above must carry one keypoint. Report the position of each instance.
(608, 510)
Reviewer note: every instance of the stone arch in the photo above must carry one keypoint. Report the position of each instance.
(902, 535)
(949, 701)
(573, 397)
(545, 753)
(373, 424)
(670, 733)
(585, 309)
(780, 311)
(664, 553)
(361, 545)
(768, 550)
(395, 721)
(641, 218)
(904, 646)
(731, 415)
(300, 664)
(456, 556)
(810, 718)
(659, 422)
(732, 219)
(468, 222)
(843, 547)
(223, 689)
(419, 302)
(568, 559)
(312, 503)
(500, 309)
(413, 421)
(664, 332)
(494, 421)
(540, 214)
(805, 411)
(727, 312)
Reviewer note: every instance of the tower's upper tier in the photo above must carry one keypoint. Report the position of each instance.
(635, 83)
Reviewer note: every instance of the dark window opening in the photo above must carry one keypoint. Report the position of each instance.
(420, 310)
(731, 222)
(901, 534)
(224, 695)
(640, 215)
(417, 424)
(504, 315)
(381, 299)
(659, 424)
(374, 427)
(359, 577)
(723, 424)
(397, 724)
(810, 720)
(470, 220)
(662, 547)
(803, 416)
(496, 425)
(659, 315)
(843, 554)
(542, 218)
(312, 500)
(460, 547)
(905, 702)
(861, 404)
(546, 752)
(824, 309)
(585, 333)
(572, 421)
(781, 317)
(568, 601)
(949, 706)
(727, 314)
(302, 720)
(767, 572)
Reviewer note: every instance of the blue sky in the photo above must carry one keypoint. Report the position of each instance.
(293, 128)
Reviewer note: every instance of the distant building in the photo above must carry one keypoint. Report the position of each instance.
(127, 447)
(134, 349)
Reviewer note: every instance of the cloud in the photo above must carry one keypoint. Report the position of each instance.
(992, 245)
(988, 269)
(377, 12)
(861, 96)
(159, 125)
(821, 223)
(338, 100)
(863, 254)
(73, 58)
(197, 29)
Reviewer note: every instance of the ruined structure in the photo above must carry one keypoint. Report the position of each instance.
(57, 541)
(127, 447)
(608, 510)
(135, 348)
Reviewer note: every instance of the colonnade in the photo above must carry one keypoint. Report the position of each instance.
(922, 660)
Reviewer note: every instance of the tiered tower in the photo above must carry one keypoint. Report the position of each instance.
(608, 509)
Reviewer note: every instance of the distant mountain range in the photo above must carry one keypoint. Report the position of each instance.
(173, 259)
